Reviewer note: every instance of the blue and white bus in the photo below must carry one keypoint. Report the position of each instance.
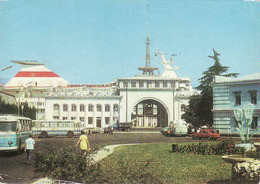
(46, 128)
(14, 130)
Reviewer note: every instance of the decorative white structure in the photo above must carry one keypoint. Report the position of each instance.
(35, 74)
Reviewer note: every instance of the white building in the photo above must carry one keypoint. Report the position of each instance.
(154, 100)
(145, 100)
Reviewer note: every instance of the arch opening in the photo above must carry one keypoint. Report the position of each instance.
(149, 113)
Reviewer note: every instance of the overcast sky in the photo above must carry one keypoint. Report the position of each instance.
(89, 41)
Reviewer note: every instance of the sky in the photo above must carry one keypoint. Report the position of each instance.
(96, 42)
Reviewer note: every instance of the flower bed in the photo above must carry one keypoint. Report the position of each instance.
(249, 170)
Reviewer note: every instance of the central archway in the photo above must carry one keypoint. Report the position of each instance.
(149, 113)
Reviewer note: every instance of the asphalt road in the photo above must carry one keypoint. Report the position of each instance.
(13, 167)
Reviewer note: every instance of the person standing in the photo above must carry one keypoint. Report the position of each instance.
(29, 147)
(84, 143)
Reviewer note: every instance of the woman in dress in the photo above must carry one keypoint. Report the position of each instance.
(84, 144)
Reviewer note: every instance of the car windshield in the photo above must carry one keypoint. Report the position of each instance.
(165, 128)
(7, 126)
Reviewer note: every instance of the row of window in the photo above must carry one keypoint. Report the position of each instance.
(238, 97)
(82, 107)
(148, 84)
(33, 103)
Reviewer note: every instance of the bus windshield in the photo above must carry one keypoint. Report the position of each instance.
(7, 126)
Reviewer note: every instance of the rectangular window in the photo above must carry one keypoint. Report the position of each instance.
(254, 123)
(237, 98)
(172, 84)
(149, 84)
(73, 118)
(107, 120)
(253, 96)
(82, 119)
(165, 84)
(90, 120)
(157, 84)
(141, 84)
(56, 117)
(64, 118)
(125, 84)
(133, 84)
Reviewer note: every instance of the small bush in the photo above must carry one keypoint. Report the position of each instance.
(253, 154)
(66, 164)
(225, 147)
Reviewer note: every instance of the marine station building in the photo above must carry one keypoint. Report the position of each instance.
(145, 100)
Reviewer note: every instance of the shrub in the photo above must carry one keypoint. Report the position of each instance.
(225, 147)
(253, 154)
(70, 165)
(66, 164)
(249, 170)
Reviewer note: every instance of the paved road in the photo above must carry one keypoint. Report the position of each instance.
(13, 168)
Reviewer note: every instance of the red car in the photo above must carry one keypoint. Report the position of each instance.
(209, 134)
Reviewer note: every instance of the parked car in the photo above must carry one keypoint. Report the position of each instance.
(166, 131)
(209, 134)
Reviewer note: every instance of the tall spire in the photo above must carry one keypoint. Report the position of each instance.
(147, 70)
(147, 41)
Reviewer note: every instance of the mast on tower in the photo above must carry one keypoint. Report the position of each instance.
(147, 70)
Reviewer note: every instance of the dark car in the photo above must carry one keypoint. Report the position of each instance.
(208, 134)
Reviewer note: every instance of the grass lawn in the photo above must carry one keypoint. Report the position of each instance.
(153, 163)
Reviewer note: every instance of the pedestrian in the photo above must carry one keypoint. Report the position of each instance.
(198, 130)
(84, 143)
(29, 147)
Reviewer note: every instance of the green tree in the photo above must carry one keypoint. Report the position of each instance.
(26, 111)
(198, 112)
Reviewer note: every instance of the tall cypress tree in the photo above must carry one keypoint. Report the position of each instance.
(199, 112)
(26, 111)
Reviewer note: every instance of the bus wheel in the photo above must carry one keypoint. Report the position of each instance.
(44, 134)
(70, 134)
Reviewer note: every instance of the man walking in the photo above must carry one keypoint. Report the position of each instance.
(29, 147)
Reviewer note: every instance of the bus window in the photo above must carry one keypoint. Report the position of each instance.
(22, 125)
(43, 124)
(8, 127)
(69, 124)
(30, 125)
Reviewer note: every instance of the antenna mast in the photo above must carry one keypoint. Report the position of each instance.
(147, 70)
(147, 41)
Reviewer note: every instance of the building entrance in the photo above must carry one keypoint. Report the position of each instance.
(149, 113)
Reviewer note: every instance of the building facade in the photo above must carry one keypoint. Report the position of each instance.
(144, 100)
(233, 93)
